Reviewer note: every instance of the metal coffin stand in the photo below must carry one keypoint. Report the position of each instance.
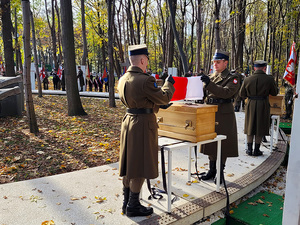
(170, 145)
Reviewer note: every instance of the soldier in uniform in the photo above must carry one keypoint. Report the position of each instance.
(139, 136)
(221, 87)
(257, 89)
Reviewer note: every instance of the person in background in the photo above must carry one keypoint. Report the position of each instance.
(201, 72)
(139, 92)
(46, 82)
(239, 101)
(220, 88)
(55, 80)
(95, 82)
(288, 100)
(80, 77)
(90, 82)
(257, 89)
(164, 75)
(63, 80)
(100, 82)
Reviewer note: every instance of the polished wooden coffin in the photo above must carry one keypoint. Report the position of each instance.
(276, 104)
(189, 122)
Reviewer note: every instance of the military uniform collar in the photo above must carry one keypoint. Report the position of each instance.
(135, 69)
(259, 72)
(223, 74)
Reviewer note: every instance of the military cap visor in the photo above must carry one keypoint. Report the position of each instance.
(260, 63)
(220, 55)
(138, 50)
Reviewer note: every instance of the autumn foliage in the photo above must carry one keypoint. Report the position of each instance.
(64, 143)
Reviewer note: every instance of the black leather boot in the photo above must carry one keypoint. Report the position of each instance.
(221, 175)
(250, 149)
(134, 207)
(211, 172)
(126, 198)
(257, 152)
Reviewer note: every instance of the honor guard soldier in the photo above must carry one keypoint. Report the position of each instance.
(221, 88)
(257, 89)
(139, 92)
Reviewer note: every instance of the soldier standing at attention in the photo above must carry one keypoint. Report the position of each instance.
(257, 89)
(139, 136)
(221, 87)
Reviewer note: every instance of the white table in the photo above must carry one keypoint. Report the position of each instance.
(171, 144)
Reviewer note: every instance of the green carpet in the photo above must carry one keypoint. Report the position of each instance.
(261, 209)
(286, 127)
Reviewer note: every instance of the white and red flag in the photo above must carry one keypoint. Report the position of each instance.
(289, 74)
(59, 72)
(188, 88)
(42, 74)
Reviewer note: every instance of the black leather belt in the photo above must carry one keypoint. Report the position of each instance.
(257, 97)
(218, 100)
(140, 111)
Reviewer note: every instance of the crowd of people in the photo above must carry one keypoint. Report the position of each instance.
(93, 82)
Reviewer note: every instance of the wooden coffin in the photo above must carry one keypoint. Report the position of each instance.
(189, 122)
(276, 104)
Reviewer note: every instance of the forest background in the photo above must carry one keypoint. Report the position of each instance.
(248, 29)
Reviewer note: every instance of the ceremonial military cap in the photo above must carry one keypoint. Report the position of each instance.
(220, 55)
(138, 50)
(260, 63)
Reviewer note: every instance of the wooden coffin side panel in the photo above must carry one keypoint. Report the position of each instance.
(192, 123)
(276, 104)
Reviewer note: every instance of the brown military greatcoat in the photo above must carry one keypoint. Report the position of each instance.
(139, 138)
(223, 86)
(257, 111)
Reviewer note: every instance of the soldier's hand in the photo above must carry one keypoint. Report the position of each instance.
(205, 79)
(165, 106)
(171, 79)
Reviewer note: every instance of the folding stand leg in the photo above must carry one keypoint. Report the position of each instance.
(169, 179)
(218, 165)
(189, 163)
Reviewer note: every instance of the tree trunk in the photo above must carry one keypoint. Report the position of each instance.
(232, 19)
(74, 103)
(35, 56)
(179, 44)
(111, 14)
(267, 33)
(132, 40)
(53, 33)
(217, 23)
(7, 38)
(85, 50)
(241, 34)
(18, 63)
(170, 45)
(26, 72)
(199, 31)
(58, 33)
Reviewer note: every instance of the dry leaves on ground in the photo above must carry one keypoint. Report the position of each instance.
(64, 143)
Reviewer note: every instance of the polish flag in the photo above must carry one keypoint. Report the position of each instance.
(188, 88)
(289, 74)
(59, 72)
(42, 74)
